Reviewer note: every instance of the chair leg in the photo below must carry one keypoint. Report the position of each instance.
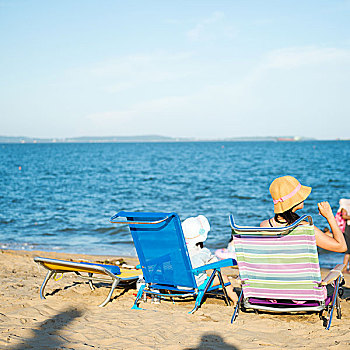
(338, 308)
(201, 293)
(138, 297)
(320, 314)
(48, 276)
(109, 296)
(90, 282)
(172, 299)
(334, 299)
(227, 300)
(198, 302)
(236, 312)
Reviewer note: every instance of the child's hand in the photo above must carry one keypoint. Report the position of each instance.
(325, 209)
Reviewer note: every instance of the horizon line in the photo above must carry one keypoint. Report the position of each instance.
(152, 138)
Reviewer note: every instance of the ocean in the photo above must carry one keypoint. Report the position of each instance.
(60, 196)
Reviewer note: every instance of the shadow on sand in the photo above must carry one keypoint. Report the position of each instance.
(213, 341)
(346, 293)
(47, 335)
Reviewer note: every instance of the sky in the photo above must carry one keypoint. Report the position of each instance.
(202, 69)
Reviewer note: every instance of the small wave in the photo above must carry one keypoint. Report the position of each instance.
(204, 196)
(339, 185)
(334, 180)
(67, 229)
(18, 246)
(237, 196)
(121, 242)
(111, 230)
(7, 221)
(150, 178)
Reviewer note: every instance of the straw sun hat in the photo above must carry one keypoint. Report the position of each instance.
(286, 192)
(195, 229)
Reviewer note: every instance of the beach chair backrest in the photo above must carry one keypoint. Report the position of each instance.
(279, 266)
(161, 248)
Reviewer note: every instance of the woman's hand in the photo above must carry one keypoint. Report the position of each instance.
(325, 209)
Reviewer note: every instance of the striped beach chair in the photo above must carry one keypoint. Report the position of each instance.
(279, 270)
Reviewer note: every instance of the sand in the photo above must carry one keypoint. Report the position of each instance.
(70, 317)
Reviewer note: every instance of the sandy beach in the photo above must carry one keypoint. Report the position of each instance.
(70, 317)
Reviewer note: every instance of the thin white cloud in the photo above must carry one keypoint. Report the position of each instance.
(151, 116)
(130, 63)
(300, 56)
(139, 110)
(131, 71)
(212, 27)
(294, 58)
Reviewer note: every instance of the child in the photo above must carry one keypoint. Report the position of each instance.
(343, 220)
(196, 230)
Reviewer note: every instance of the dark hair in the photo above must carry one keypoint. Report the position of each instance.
(288, 216)
(200, 244)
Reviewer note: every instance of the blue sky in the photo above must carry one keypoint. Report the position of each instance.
(205, 69)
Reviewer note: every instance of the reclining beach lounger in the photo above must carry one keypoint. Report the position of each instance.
(164, 258)
(85, 270)
(279, 270)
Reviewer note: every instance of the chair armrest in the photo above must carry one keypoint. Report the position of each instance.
(215, 265)
(266, 231)
(333, 274)
(132, 214)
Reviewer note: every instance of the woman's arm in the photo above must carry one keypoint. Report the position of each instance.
(264, 223)
(337, 242)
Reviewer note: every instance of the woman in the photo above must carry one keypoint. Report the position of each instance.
(288, 196)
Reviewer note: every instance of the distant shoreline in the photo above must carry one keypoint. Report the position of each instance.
(150, 139)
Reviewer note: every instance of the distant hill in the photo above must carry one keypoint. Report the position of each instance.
(142, 138)
(87, 139)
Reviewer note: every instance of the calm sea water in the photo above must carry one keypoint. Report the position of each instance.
(64, 194)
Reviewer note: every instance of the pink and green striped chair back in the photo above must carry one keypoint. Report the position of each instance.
(279, 267)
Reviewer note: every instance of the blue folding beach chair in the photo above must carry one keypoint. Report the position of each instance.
(164, 259)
